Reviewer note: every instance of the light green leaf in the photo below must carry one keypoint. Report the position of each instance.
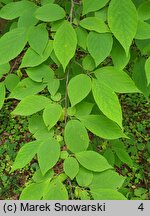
(94, 24)
(119, 57)
(51, 114)
(122, 20)
(13, 10)
(88, 63)
(108, 179)
(107, 101)
(16, 39)
(34, 191)
(107, 194)
(50, 12)
(43, 2)
(143, 31)
(144, 10)
(56, 191)
(81, 37)
(38, 177)
(76, 136)
(102, 14)
(71, 167)
(38, 38)
(11, 81)
(99, 46)
(41, 73)
(30, 105)
(4, 68)
(25, 155)
(147, 70)
(48, 154)
(93, 161)
(102, 126)
(84, 177)
(2, 94)
(65, 42)
(94, 5)
(116, 79)
(78, 88)
(53, 86)
(83, 109)
(32, 59)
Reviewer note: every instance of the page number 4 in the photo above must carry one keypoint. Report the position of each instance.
(141, 207)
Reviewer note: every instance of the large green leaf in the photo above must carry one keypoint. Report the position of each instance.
(4, 68)
(108, 179)
(48, 154)
(65, 42)
(116, 79)
(144, 10)
(102, 126)
(52, 114)
(81, 37)
(11, 44)
(76, 136)
(32, 59)
(93, 161)
(94, 5)
(25, 155)
(78, 88)
(107, 101)
(107, 194)
(25, 88)
(71, 167)
(147, 70)
(122, 20)
(83, 109)
(2, 94)
(34, 191)
(30, 105)
(56, 191)
(94, 24)
(50, 12)
(99, 46)
(143, 31)
(88, 63)
(84, 177)
(11, 81)
(38, 38)
(13, 10)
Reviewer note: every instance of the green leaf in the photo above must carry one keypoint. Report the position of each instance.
(25, 155)
(38, 177)
(78, 88)
(107, 101)
(99, 46)
(110, 156)
(50, 12)
(107, 180)
(51, 114)
(65, 42)
(116, 79)
(13, 10)
(34, 191)
(93, 161)
(48, 154)
(81, 37)
(94, 24)
(83, 109)
(94, 5)
(84, 177)
(119, 57)
(41, 73)
(144, 10)
(122, 20)
(56, 191)
(123, 156)
(2, 94)
(71, 167)
(30, 105)
(26, 87)
(53, 86)
(147, 70)
(107, 194)
(76, 136)
(11, 81)
(32, 59)
(143, 31)
(88, 63)
(38, 38)
(4, 68)
(102, 126)
(16, 39)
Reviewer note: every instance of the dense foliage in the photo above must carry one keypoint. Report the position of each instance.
(64, 68)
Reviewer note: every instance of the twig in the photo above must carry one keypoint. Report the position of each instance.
(71, 11)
